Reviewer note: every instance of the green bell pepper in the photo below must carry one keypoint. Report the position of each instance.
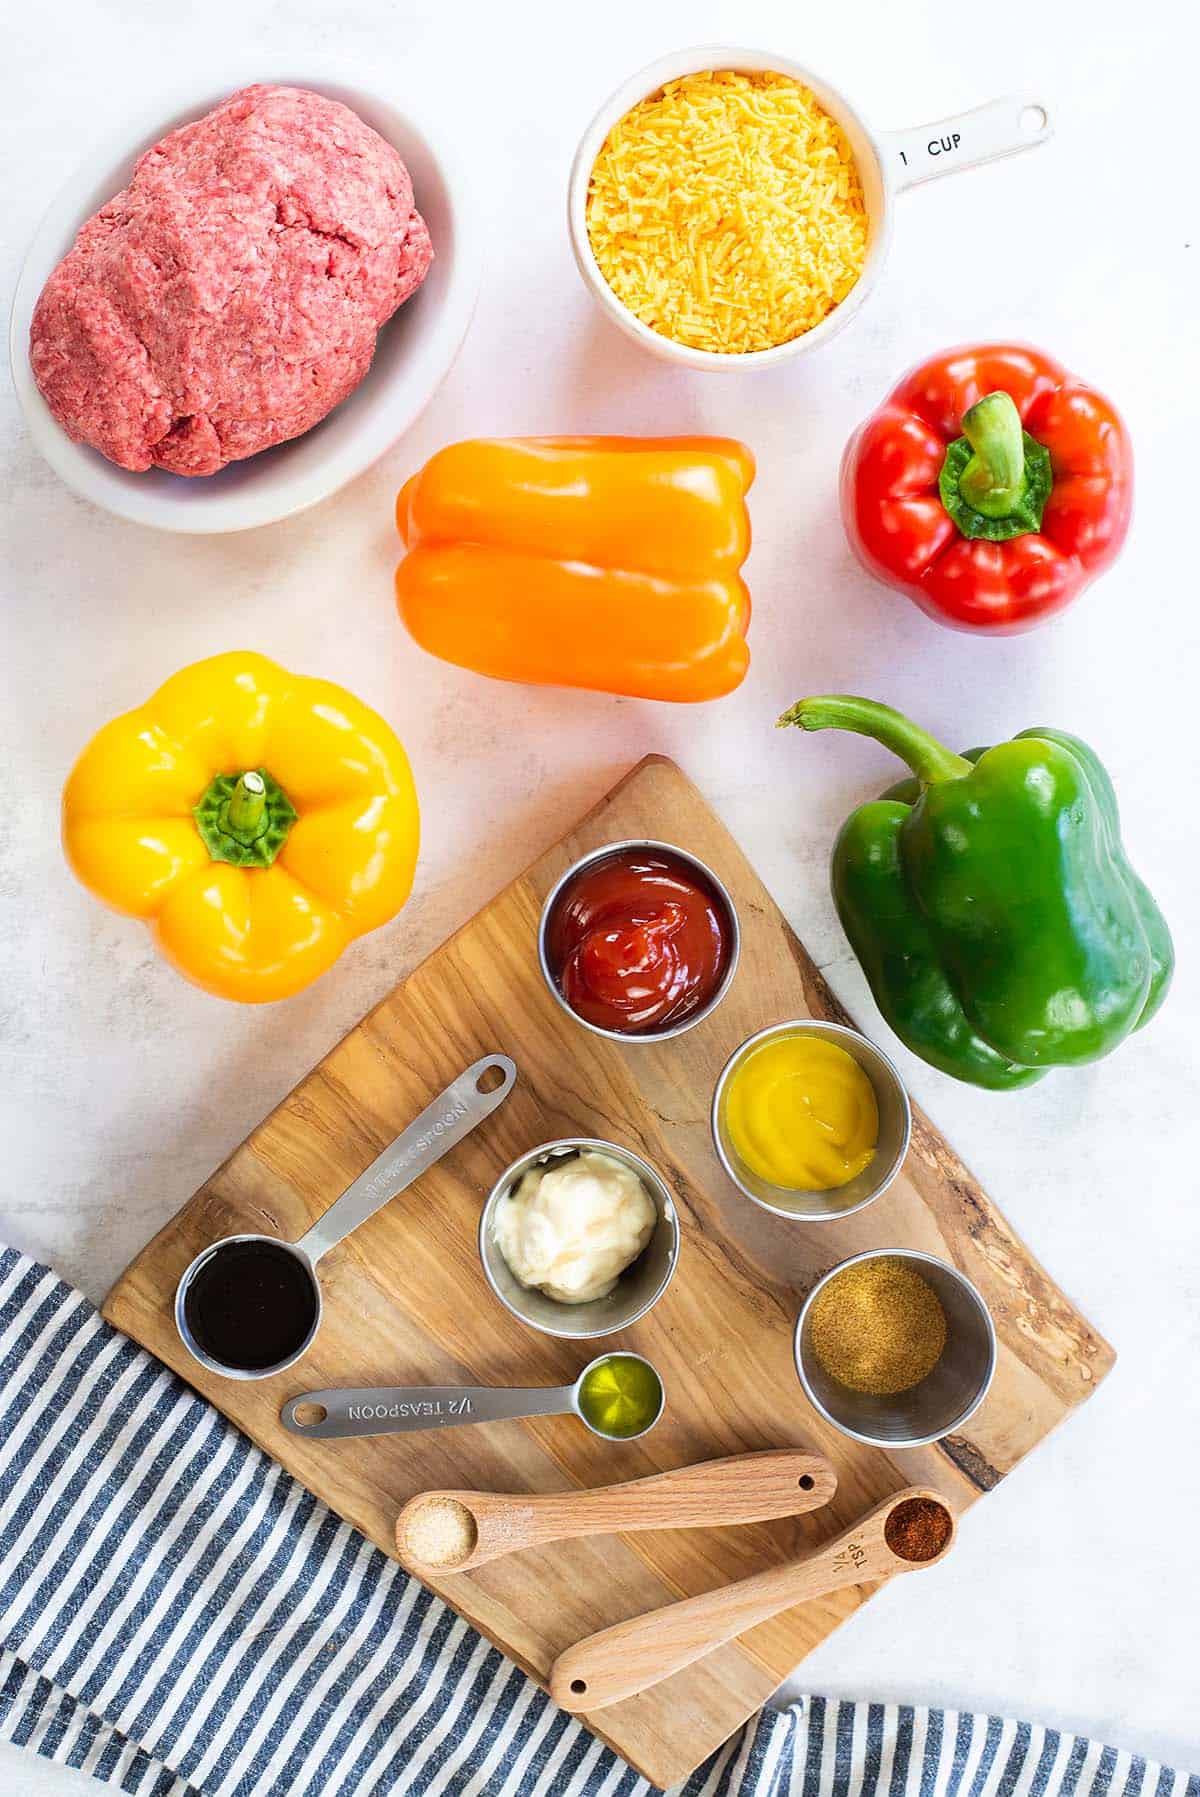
(989, 900)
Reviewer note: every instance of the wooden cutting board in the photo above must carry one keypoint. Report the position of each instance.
(406, 1301)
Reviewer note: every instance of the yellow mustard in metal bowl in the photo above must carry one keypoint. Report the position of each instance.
(801, 1114)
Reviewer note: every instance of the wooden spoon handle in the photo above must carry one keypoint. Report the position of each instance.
(742, 1488)
(628, 1658)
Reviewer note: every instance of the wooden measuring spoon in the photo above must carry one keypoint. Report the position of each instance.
(628, 1658)
(742, 1488)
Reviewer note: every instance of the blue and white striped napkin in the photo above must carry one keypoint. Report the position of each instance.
(179, 1618)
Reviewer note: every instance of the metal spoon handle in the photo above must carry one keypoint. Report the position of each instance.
(440, 1127)
(404, 1409)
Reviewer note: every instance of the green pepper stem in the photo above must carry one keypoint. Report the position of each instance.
(246, 817)
(929, 759)
(993, 481)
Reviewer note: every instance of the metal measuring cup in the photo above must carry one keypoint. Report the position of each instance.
(949, 1394)
(706, 878)
(407, 1409)
(639, 1287)
(441, 1126)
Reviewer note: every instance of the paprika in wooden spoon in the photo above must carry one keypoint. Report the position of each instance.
(911, 1529)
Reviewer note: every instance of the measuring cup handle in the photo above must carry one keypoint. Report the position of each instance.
(440, 1127)
(1000, 128)
(405, 1409)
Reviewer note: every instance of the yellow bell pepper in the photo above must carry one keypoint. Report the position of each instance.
(256, 820)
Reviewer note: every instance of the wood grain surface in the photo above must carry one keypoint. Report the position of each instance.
(406, 1300)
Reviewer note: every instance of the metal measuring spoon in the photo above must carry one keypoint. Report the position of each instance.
(406, 1409)
(441, 1126)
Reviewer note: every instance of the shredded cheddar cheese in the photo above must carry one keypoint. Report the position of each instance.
(726, 211)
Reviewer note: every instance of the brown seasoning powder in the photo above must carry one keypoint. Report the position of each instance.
(878, 1327)
(918, 1529)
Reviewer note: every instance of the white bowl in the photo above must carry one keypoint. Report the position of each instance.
(415, 352)
(873, 170)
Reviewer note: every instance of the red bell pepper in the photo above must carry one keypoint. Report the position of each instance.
(991, 487)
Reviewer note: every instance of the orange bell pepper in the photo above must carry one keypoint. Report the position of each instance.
(602, 562)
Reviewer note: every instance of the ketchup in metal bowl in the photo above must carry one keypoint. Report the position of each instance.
(639, 940)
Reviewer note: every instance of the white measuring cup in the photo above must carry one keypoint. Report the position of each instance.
(888, 162)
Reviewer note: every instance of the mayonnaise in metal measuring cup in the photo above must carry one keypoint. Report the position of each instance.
(570, 1228)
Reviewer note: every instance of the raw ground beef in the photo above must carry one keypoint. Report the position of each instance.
(229, 297)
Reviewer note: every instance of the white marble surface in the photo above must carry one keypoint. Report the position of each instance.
(1073, 1595)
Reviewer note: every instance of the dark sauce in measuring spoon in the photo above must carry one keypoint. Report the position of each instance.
(251, 1305)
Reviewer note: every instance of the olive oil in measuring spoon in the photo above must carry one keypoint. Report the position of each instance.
(620, 1396)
